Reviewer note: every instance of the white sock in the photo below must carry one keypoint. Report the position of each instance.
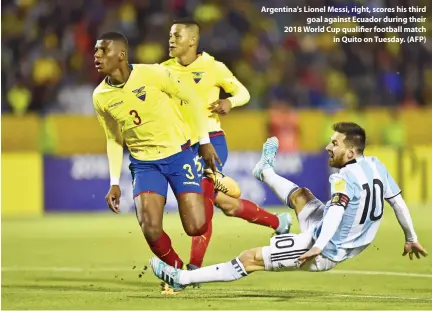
(224, 272)
(281, 186)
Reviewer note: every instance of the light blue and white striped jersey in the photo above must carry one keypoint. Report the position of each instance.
(366, 182)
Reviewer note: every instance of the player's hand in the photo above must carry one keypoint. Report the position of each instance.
(415, 248)
(312, 253)
(209, 155)
(221, 107)
(113, 198)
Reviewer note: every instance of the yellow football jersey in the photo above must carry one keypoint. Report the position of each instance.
(143, 114)
(207, 76)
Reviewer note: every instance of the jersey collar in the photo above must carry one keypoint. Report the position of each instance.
(194, 63)
(118, 86)
(350, 162)
(353, 161)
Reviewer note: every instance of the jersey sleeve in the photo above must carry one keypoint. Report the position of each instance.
(173, 85)
(114, 141)
(226, 80)
(342, 191)
(391, 188)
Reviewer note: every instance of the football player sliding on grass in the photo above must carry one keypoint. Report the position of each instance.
(330, 233)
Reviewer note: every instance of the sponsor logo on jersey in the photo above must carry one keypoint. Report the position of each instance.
(197, 76)
(191, 183)
(115, 104)
(140, 93)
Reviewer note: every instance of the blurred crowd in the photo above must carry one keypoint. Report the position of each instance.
(47, 53)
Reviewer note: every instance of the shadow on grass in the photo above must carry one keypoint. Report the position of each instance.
(94, 286)
(218, 294)
(114, 280)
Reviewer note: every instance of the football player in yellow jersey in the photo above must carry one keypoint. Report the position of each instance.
(134, 105)
(207, 76)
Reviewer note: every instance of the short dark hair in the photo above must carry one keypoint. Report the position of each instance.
(186, 21)
(115, 36)
(355, 134)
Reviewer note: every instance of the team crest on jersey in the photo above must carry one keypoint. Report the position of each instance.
(140, 93)
(197, 76)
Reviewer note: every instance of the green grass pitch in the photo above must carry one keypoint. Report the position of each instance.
(96, 261)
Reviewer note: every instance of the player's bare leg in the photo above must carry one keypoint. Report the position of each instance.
(281, 255)
(226, 187)
(252, 213)
(228, 200)
(149, 211)
(200, 243)
(192, 212)
(301, 200)
(307, 208)
(248, 261)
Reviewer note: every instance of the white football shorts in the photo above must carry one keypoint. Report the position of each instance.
(285, 249)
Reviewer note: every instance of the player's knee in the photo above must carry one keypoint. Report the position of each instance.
(247, 259)
(229, 206)
(152, 233)
(228, 209)
(151, 229)
(299, 198)
(230, 212)
(193, 215)
(252, 260)
(196, 229)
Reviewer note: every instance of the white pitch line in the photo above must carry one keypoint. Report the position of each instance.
(352, 296)
(391, 273)
(66, 269)
(380, 297)
(124, 269)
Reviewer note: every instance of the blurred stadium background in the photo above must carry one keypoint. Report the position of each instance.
(53, 151)
(53, 147)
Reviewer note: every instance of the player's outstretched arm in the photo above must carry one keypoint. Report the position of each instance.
(230, 84)
(115, 156)
(342, 192)
(331, 222)
(412, 246)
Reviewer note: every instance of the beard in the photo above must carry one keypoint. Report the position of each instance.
(336, 161)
